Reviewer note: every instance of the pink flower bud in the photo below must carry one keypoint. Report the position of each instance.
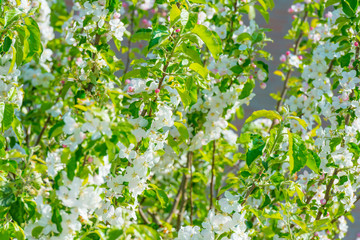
(153, 11)
(64, 146)
(290, 10)
(131, 89)
(116, 15)
(90, 160)
(253, 65)
(316, 234)
(157, 91)
(127, 81)
(168, 18)
(251, 76)
(288, 53)
(328, 15)
(62, 82)
(300, 57)
(328, 232)
(262, 85)
(283, 58)
(177, 30)
(311, 28)
(323, 201)
(145, 21)
(293, 17)
(125, 5)
(356, 44)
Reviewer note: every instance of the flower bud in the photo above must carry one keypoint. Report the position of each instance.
(157, 91)
(323, 201)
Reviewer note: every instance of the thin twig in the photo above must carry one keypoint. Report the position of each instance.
(129, 42)
(183, 192)
(191, 189)
(182, 188)
(212, 175)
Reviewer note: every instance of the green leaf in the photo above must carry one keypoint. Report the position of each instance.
(161, 195)
(300, 224)
(297, 152)
(11, 16)
(247, 89)
(174, 14)
(114, 234)
(56, 218)
(263, 114)
(198, 1)
(56, 130)
(13, 60)
(349, 7)
(19, 46)
(256, 151)
(202, 71)
(8, 116)
(184, 134)
(146, 232)
(185, 98)
(17, 211)
(192, 53)
(37, 231)
(141, 34)
(210, 38)
(112, 5)
(313, 161)
(299, 192)
(275, 215)
(277, 178)
(17, 127)
(263, 12)
(2, 110)
(7, 44)
(34, 40)
(7, 196)
(158, 34)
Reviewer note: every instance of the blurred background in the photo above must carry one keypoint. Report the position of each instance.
(280, 22)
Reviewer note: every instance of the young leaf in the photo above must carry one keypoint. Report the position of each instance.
(263, 114)
(174, 13)
(202, 71)
(210, 38)
(256, 151)
(297, 152)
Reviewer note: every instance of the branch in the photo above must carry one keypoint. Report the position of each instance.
(183, 196)
(164, 73)
(143, 216)
(327, 193)
(212, 175)
(182, 188)
(129, 42)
